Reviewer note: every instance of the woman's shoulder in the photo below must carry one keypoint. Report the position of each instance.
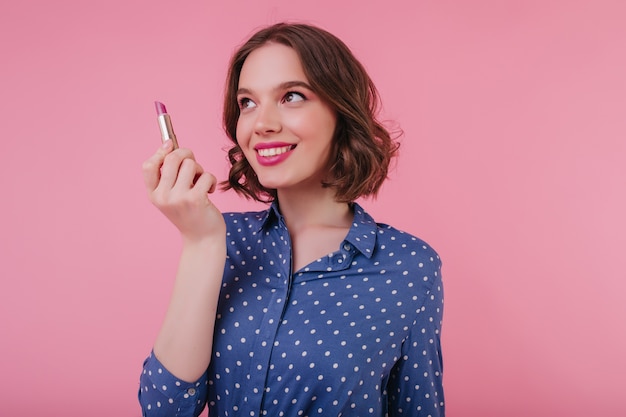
(405, 247)
(388, 234)
(247, 218)
(394, 241)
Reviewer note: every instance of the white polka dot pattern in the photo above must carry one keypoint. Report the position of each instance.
(162, 394)
(356, 333)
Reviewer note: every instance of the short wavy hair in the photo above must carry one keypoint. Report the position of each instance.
(362, 148)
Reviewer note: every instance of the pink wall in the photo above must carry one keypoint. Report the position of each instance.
(512, 166)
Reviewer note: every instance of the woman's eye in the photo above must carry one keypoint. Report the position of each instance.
(246, 103)
(292, 97)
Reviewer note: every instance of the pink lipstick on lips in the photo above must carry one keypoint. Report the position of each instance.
(165, 124)
(272, 153)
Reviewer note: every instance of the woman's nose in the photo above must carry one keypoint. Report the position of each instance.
(268, 120)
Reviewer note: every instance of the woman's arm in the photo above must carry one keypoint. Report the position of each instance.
(184, 342)
(415, 386)
(178, 186)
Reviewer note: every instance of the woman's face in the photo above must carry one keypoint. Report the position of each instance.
(284, 129)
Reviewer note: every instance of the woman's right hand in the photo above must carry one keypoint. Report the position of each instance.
(178, 186)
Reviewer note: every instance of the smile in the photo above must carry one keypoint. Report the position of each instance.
(268, 152)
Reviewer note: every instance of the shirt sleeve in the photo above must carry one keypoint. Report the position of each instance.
(415, 385)
(161, 394)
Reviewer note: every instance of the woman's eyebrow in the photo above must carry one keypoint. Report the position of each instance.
(290, 84)
(282, 86)
(243, 91)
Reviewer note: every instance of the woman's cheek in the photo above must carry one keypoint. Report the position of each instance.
(243, 134)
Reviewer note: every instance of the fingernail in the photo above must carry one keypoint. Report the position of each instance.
(167, 144)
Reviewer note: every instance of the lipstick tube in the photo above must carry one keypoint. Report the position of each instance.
(165, 124)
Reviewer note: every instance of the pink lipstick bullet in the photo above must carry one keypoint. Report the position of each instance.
(165, 124)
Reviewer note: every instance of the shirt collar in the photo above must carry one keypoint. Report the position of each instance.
(362, 233)
(269, 217)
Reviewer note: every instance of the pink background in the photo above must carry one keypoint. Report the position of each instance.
(512, 167)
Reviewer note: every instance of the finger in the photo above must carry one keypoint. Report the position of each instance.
(171, 166)
(188, 172)
(151, 167)
(206, 183)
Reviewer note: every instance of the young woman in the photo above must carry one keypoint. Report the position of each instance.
(309, 308)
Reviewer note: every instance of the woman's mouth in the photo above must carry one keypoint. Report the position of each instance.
(268, 154)
(275, 151)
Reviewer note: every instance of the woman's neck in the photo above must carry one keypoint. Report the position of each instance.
(302, 210)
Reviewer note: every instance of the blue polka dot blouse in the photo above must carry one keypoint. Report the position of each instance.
(356, 333)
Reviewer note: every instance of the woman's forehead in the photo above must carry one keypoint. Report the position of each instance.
(270, 65)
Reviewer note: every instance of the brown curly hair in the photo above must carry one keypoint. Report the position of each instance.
(362, 145)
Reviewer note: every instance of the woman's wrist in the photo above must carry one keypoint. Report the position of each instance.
(211, 243)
